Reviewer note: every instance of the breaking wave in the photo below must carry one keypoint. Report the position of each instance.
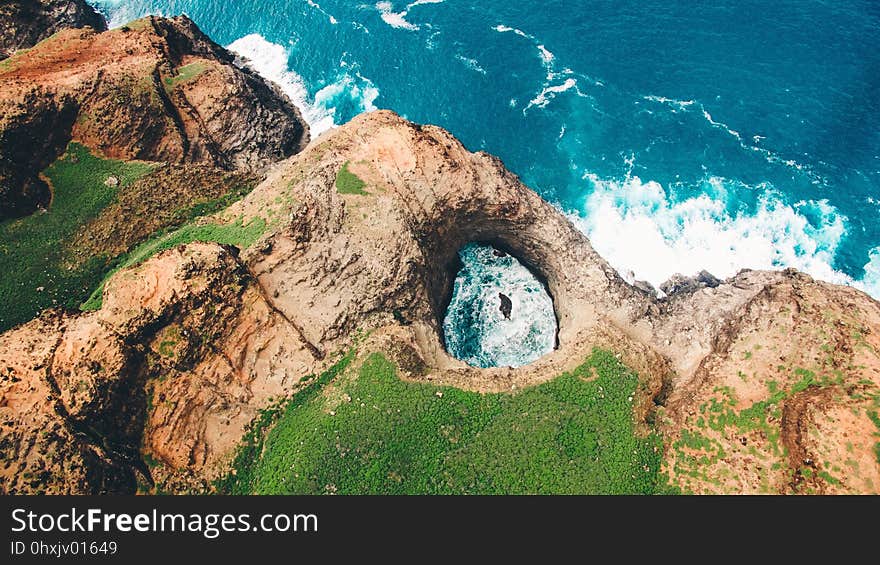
(270, 60)
(647, 234)
(476, 329)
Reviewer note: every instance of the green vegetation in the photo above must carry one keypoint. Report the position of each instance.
(349, 183)
(40, 270)
(367, 431)
(185, 73)
(205, 207)
(237, 233)
(873, 415)
(247, 457)
(33, 259)
(138, 24)
(696, 452)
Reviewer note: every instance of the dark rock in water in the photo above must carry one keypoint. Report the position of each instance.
(499, 253)
(506, 305)
(680, 284)
(708, 279)
(646, 287)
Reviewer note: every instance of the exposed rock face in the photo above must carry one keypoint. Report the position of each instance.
(202, 337)
(777, 377)
(682, 284)
(24, 23)
(157, 89)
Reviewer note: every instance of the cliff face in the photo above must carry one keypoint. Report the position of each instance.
(766, 382)
(754, 382)
(24, 23)
(157, 90)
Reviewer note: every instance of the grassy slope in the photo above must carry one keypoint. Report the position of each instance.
(185, 73)
(569, 435)
(238, 233)
(349, 183)
(32, 254)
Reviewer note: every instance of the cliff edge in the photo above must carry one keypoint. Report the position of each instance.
(155, 90)
(755, 383)
(24, 23)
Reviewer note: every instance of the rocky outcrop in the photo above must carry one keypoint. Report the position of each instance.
(680, 284)
(24, 23)
(157, 90)
(776, 388)
(204, 336)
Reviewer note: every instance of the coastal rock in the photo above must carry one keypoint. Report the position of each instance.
(157, 90)
(681, 284)
(506, 305)
(194, 342)
(24, 23)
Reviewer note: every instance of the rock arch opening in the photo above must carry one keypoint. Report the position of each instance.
(498, 309)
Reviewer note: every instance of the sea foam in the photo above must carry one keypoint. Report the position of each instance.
(398, 19)
(318, 7)
(647, 235)
(270, 60)
(475, 328)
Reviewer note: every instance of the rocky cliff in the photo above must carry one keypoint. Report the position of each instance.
(762, 383)
(155, 90)
(24, 23)
(766, 382)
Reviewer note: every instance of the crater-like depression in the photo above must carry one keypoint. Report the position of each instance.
(500, 313)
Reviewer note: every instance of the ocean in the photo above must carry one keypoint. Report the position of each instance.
(679, 136)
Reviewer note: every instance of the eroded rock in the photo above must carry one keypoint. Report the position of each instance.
(157, 89)
(208, 335)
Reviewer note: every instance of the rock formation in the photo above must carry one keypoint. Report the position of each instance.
(778, 372)
(24, 23)
(157, 90)
(506, 306)
(766, 382)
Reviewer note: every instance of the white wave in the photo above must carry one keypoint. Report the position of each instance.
(472, 64)
(676, 105)
(475, 328)
(117, 12)
(504, 29)
(647, 236)
(422, 3)
(549, 93)
(358, 88)
(394, 19)
(318, 7)
(548, 61)
(871, 281)
(771, 157)
(546, 56)
(270, 61)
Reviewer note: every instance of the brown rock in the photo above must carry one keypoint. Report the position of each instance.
(206, 336)
(24, 23)
(157, 90)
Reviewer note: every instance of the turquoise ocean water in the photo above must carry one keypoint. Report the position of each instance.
(679, 136)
